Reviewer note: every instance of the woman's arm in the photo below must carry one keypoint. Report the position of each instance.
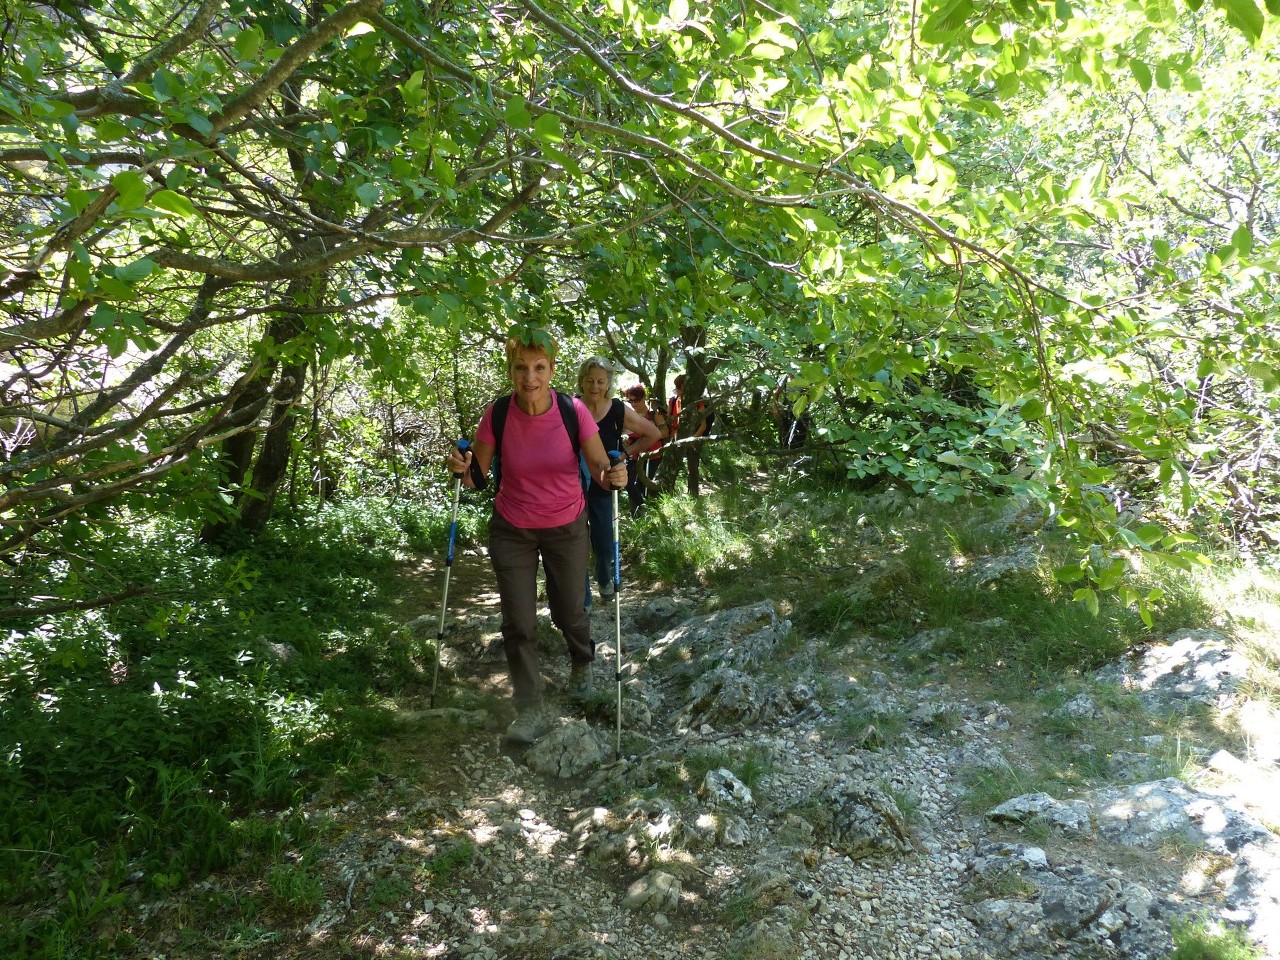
(647, 434)
(608, 477)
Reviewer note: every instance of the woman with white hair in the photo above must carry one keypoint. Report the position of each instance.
(615, 420)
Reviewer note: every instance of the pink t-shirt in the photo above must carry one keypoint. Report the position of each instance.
(540, 481)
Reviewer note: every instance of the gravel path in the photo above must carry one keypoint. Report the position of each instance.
(850, 843)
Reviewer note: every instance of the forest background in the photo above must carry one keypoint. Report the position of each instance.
(257, 259)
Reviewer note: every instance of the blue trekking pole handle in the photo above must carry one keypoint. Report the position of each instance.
(463, 446)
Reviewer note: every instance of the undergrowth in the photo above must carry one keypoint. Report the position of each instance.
(904, 571)
(148, 743)
(156, 740)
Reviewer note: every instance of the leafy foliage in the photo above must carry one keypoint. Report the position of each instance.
(157, 739)
(223, 221)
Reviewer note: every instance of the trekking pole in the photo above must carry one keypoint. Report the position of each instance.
(615, 458)
(463, 447)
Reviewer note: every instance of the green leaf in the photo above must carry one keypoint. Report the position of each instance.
(1131, 538)
(516, 113)
(1142, 73)
(768, 51)
(248, 43)
(985, 34)
(1071, 573)
(117, 340)
(1244, 15)
(1033, 409)
(369, 194)
(199, 123)
(530, 336)
(109, 129)
(137, 270)
(1144, 611)
(173, 203)
(1110, 578)
(443, 172)
(132, 189)
(946, 21)
(678, 10)
(1089, 597)
(1242, 239)
(104, 315)
(547, 127)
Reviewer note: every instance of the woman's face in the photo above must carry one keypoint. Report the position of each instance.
(639, 406)
(595, 384)
(532, 371)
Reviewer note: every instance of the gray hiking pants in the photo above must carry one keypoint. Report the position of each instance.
(514, 553)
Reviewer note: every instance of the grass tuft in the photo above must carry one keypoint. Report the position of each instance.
(1205, 940)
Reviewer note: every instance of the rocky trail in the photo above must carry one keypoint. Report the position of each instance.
(780, 798)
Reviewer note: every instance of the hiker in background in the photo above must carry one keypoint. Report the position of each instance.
(694, 426)
(643, 463)
(539, 514)
(612, 418)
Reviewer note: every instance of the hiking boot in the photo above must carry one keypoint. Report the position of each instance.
(606, 590)
(530, 723)
(580, 681)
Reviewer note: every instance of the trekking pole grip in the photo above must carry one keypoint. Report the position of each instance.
(463, 446)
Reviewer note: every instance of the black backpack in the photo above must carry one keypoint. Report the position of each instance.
(499, 422)
(617, 416)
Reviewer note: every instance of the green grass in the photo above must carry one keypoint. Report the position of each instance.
(870, 729)
(162, 738)
(987, 787)
(677, 536)
(442, 868)
(685, 773)
(295, 888)
(1202, 940)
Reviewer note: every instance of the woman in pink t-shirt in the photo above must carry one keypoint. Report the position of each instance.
(538, 515)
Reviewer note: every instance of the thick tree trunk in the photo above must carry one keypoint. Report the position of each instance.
(257, 481)
(237, 451)
(273, 460)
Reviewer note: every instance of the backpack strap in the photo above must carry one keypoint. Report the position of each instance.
(567, 413)
(619, 412)
(499, 420)
(570, 417)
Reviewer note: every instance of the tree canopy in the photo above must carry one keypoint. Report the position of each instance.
(1019, 246)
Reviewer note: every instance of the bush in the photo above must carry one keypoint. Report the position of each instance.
(157, 737)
